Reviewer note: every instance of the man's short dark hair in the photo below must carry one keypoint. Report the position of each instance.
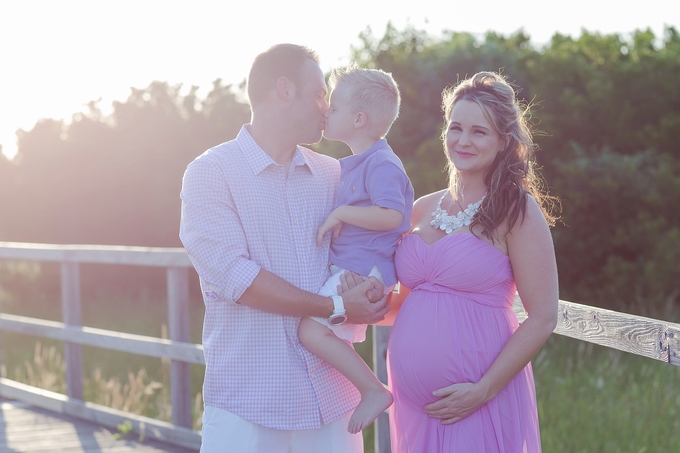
(280, 60)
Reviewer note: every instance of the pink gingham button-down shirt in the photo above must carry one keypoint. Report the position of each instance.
(242, 213)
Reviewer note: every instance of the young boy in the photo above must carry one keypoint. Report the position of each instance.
(374, 203)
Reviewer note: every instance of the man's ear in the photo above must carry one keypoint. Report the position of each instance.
(285, 89)
(360, 120)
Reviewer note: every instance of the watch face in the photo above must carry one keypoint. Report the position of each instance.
(337, 319)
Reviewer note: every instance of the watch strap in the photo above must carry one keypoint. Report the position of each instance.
(338, 304)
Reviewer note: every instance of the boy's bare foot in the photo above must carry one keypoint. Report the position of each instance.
(373, 403)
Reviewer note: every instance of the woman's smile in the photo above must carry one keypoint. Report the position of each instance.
(471, 139)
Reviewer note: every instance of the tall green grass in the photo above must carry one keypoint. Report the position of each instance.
(593, 399)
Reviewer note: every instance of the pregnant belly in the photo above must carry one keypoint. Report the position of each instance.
(440, 339)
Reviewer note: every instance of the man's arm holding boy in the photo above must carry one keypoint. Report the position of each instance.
(214, 239)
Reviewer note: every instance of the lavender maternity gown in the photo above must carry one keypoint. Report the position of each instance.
(449, 330)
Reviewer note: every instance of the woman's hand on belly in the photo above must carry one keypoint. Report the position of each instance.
(456, 402)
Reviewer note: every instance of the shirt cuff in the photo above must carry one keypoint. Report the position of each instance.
(390, 204)
(244, 273)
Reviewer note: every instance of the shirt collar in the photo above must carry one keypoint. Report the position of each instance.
(258, 159)
(353, 161)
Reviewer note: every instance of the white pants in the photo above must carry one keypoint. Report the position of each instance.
(224, 432)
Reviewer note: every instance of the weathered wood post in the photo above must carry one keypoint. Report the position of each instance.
(178, 330)
(382, 424)
(673, 337)
(71, 314)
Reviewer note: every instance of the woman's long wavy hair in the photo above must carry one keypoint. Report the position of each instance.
(512, 175)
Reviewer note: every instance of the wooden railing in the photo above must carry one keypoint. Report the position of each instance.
(652, 338)
(73, 334)
(659, 340)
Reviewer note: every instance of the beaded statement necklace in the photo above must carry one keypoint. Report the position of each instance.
(444, 221)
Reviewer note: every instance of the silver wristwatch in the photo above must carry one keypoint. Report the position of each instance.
(339, 315)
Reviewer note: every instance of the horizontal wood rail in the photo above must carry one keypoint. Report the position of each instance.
(638, 335)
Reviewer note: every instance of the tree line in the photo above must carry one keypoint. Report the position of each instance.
(606, 116)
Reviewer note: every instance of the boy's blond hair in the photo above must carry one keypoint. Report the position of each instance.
(372, 91)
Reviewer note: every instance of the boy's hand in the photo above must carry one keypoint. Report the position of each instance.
(349, 280)
(331, 223)
(377, 292)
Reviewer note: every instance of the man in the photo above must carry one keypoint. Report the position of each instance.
(251, 208)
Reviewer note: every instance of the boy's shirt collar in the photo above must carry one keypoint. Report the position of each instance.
(355, 160)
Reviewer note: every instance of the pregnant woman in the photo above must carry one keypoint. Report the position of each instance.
(458, 361)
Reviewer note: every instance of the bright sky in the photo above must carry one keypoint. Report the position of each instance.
(57, 55)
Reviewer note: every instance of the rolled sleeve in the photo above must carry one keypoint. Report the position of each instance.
(212, 234)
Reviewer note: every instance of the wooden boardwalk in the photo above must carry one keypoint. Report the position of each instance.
(27, 429)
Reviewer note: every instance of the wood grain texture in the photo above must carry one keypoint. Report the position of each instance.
(674, 344)
(630, 333)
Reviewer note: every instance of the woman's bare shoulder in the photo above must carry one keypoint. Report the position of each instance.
(530, 225)
(428, 201)
(423, 208)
